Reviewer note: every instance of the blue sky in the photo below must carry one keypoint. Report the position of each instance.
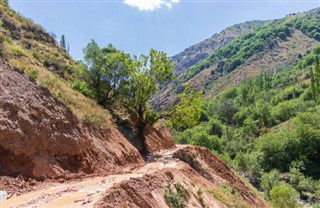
(136, 26)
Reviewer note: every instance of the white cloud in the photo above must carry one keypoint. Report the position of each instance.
(150, 5)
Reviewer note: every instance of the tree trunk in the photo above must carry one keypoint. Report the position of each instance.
(141, 126)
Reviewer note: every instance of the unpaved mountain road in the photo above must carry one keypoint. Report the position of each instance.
(87, 192)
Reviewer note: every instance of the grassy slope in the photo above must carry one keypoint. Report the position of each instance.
(28, 48)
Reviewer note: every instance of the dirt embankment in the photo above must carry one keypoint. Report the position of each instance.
(40, 137)
(200, 182)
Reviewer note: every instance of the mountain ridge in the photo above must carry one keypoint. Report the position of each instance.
(229, 58)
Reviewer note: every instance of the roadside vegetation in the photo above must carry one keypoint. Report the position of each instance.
(268, 130)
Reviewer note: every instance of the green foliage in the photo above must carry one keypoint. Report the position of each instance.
(218, 196)
(284, 196)
(63, 42)
(104, 70)
(187, 112)
(269, 181)
(2, 40)
(146, 76)
(265, 127)
(309, 25)
(214, 127)
(241, 49)
(315, 78)
(82, 87)
(205, 140)
(176, 195)
(33, 75)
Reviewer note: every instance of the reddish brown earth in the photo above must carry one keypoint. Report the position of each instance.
(158, 139)
(40, 137)
(203, 179)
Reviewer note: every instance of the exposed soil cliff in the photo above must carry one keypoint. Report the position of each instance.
(41, 138)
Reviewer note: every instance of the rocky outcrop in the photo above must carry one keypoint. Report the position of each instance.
(41, 138)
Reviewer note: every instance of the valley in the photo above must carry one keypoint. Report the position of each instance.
(232, 121)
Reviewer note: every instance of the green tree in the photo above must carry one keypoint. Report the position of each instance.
(284, 196)
(269, 180)
(146, 76)
(104, 70)
(315, 78)
(187, 112)
(204, 140)
(63, 42)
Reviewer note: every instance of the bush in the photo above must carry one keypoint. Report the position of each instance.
(214, 127)
(208, 141)
(269, 180)
(284, 196)
(2, 39)
(176, 196)
(33, 75)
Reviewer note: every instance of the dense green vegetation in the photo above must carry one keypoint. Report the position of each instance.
(267, 126)
(234, 54)
(109, 75)
(188, 111)
(264, 38)
(200, 51)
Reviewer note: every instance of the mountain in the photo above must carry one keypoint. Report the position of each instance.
(273, 46)
(261, 108)
(59, 148)
(198, 52)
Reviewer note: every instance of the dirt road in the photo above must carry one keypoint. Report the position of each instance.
(87, 192)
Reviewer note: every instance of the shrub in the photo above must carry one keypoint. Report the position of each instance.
(269, 180)
(284, 196)
(208, 141)
(176, 196)
(214, 127)
(2, 39)
(33, 75)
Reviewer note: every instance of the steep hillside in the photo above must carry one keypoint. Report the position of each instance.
(41, 138)
(271, 47)
(267, 128)
(202, 50)
(66, 150)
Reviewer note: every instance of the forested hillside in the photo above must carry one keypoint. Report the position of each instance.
(274, 46)
(267, 128)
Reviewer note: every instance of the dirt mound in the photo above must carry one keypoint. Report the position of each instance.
(189, 175)
(214, 169)
(41, 138)
(17, 186)
(158, 139)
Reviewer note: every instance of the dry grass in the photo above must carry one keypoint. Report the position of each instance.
(31, 56)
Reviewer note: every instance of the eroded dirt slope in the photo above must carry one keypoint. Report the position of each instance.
(206, 180)
(41, 138)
